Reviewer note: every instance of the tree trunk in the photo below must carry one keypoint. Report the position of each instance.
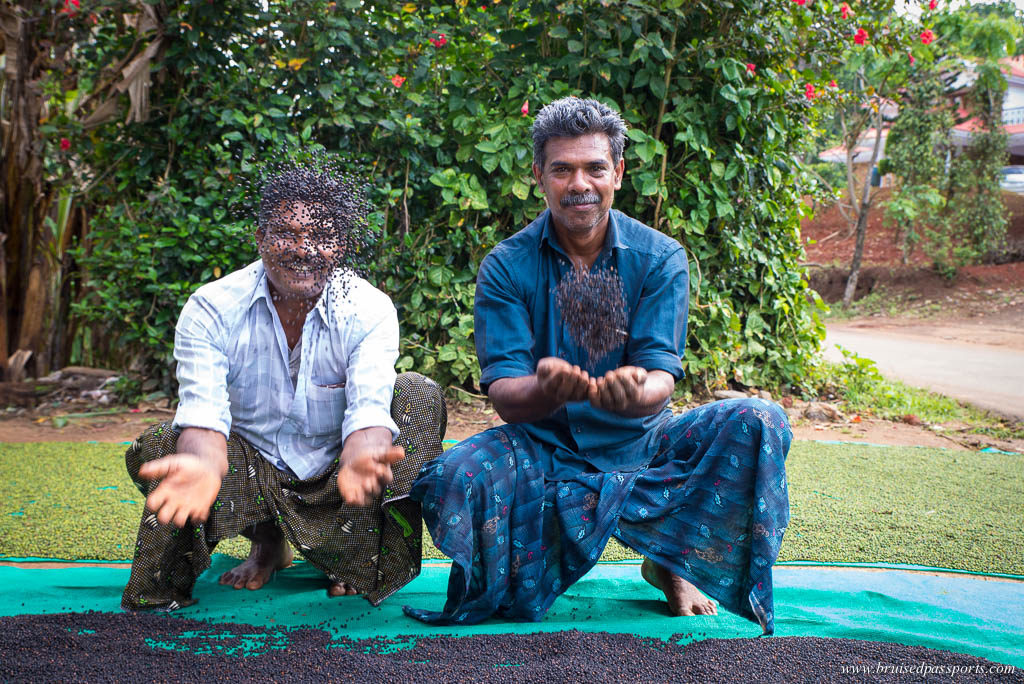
(862, 216)
(24, 203)
(858, 253)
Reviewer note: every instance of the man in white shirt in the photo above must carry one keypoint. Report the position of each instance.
(284, 430)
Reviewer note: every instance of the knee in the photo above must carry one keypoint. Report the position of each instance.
(414, 390)
(768, 413)
(156, 442)
(470, 461)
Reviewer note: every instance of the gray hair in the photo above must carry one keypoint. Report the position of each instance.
(572, 117)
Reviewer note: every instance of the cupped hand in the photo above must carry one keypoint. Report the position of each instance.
(562, 381)
(365, 473)
(619, 390)
(189, 486)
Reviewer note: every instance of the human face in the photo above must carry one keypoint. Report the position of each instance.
(298, 250)
(579, 180)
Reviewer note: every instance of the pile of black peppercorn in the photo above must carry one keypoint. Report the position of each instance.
(594, 309)
(158, 647)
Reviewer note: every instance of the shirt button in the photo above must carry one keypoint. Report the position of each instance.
(577, 429)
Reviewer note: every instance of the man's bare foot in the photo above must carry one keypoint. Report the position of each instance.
(683, 598)
(269, 553)
(341, 589)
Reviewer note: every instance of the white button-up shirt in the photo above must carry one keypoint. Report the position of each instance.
(233, 368)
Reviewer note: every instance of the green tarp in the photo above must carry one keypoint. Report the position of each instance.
(977, 615)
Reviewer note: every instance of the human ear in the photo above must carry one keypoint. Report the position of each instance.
(538, 176)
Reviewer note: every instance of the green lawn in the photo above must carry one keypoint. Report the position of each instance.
(850, 503)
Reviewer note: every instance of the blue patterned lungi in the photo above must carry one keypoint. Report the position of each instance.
(711, 507)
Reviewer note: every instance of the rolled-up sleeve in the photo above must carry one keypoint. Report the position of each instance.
(502, 324)
(371, 372)
(199, 349)
(657, 335)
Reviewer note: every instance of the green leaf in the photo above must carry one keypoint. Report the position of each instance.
(520, 189)
(487, 146)
(489, 162)
(558, 31)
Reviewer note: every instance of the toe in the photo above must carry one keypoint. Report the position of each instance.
(682, 611)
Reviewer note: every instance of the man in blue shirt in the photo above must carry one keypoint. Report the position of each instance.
(591, 449)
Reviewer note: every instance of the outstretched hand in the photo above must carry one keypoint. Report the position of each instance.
(560, 381)
(189, 486)
(366, 468)
(620, 390)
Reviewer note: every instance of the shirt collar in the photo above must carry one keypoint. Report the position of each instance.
(262, 291)
(612, 239)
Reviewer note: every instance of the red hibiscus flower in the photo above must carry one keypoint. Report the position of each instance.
(860, 37)
(844, 11)
(912, 60)
(397, 80)
(927, 36)
(65, 144)
(932, 4)
(751, 68)
(809, 91)
(525, 109)
(440, 41)
(800, 2)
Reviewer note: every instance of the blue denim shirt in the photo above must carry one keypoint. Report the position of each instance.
(518, 323)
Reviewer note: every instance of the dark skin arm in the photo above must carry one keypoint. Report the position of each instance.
(532, 397)
(190, 478)
(366, 460)
(628, 391)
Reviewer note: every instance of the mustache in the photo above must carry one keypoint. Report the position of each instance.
(582, 198)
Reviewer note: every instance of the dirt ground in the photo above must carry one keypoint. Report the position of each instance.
(915, 288)
(465, 420)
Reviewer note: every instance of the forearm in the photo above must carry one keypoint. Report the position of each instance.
(521, 400)
(208, 445)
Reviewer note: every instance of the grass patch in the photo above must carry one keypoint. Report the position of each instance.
(883, 302)
(849, 503)
(866, 391)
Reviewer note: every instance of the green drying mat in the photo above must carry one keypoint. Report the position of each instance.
(849, 503)
(961, 613)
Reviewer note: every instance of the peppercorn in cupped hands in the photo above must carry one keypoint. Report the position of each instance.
(580, 326)
(292, 428)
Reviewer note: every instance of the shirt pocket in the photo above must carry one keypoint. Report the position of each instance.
(325, 405)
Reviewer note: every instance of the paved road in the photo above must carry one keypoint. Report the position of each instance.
(988, 376)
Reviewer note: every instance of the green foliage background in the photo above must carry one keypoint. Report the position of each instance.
(710, 159)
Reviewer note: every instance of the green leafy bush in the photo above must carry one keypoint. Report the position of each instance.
(714, 95)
